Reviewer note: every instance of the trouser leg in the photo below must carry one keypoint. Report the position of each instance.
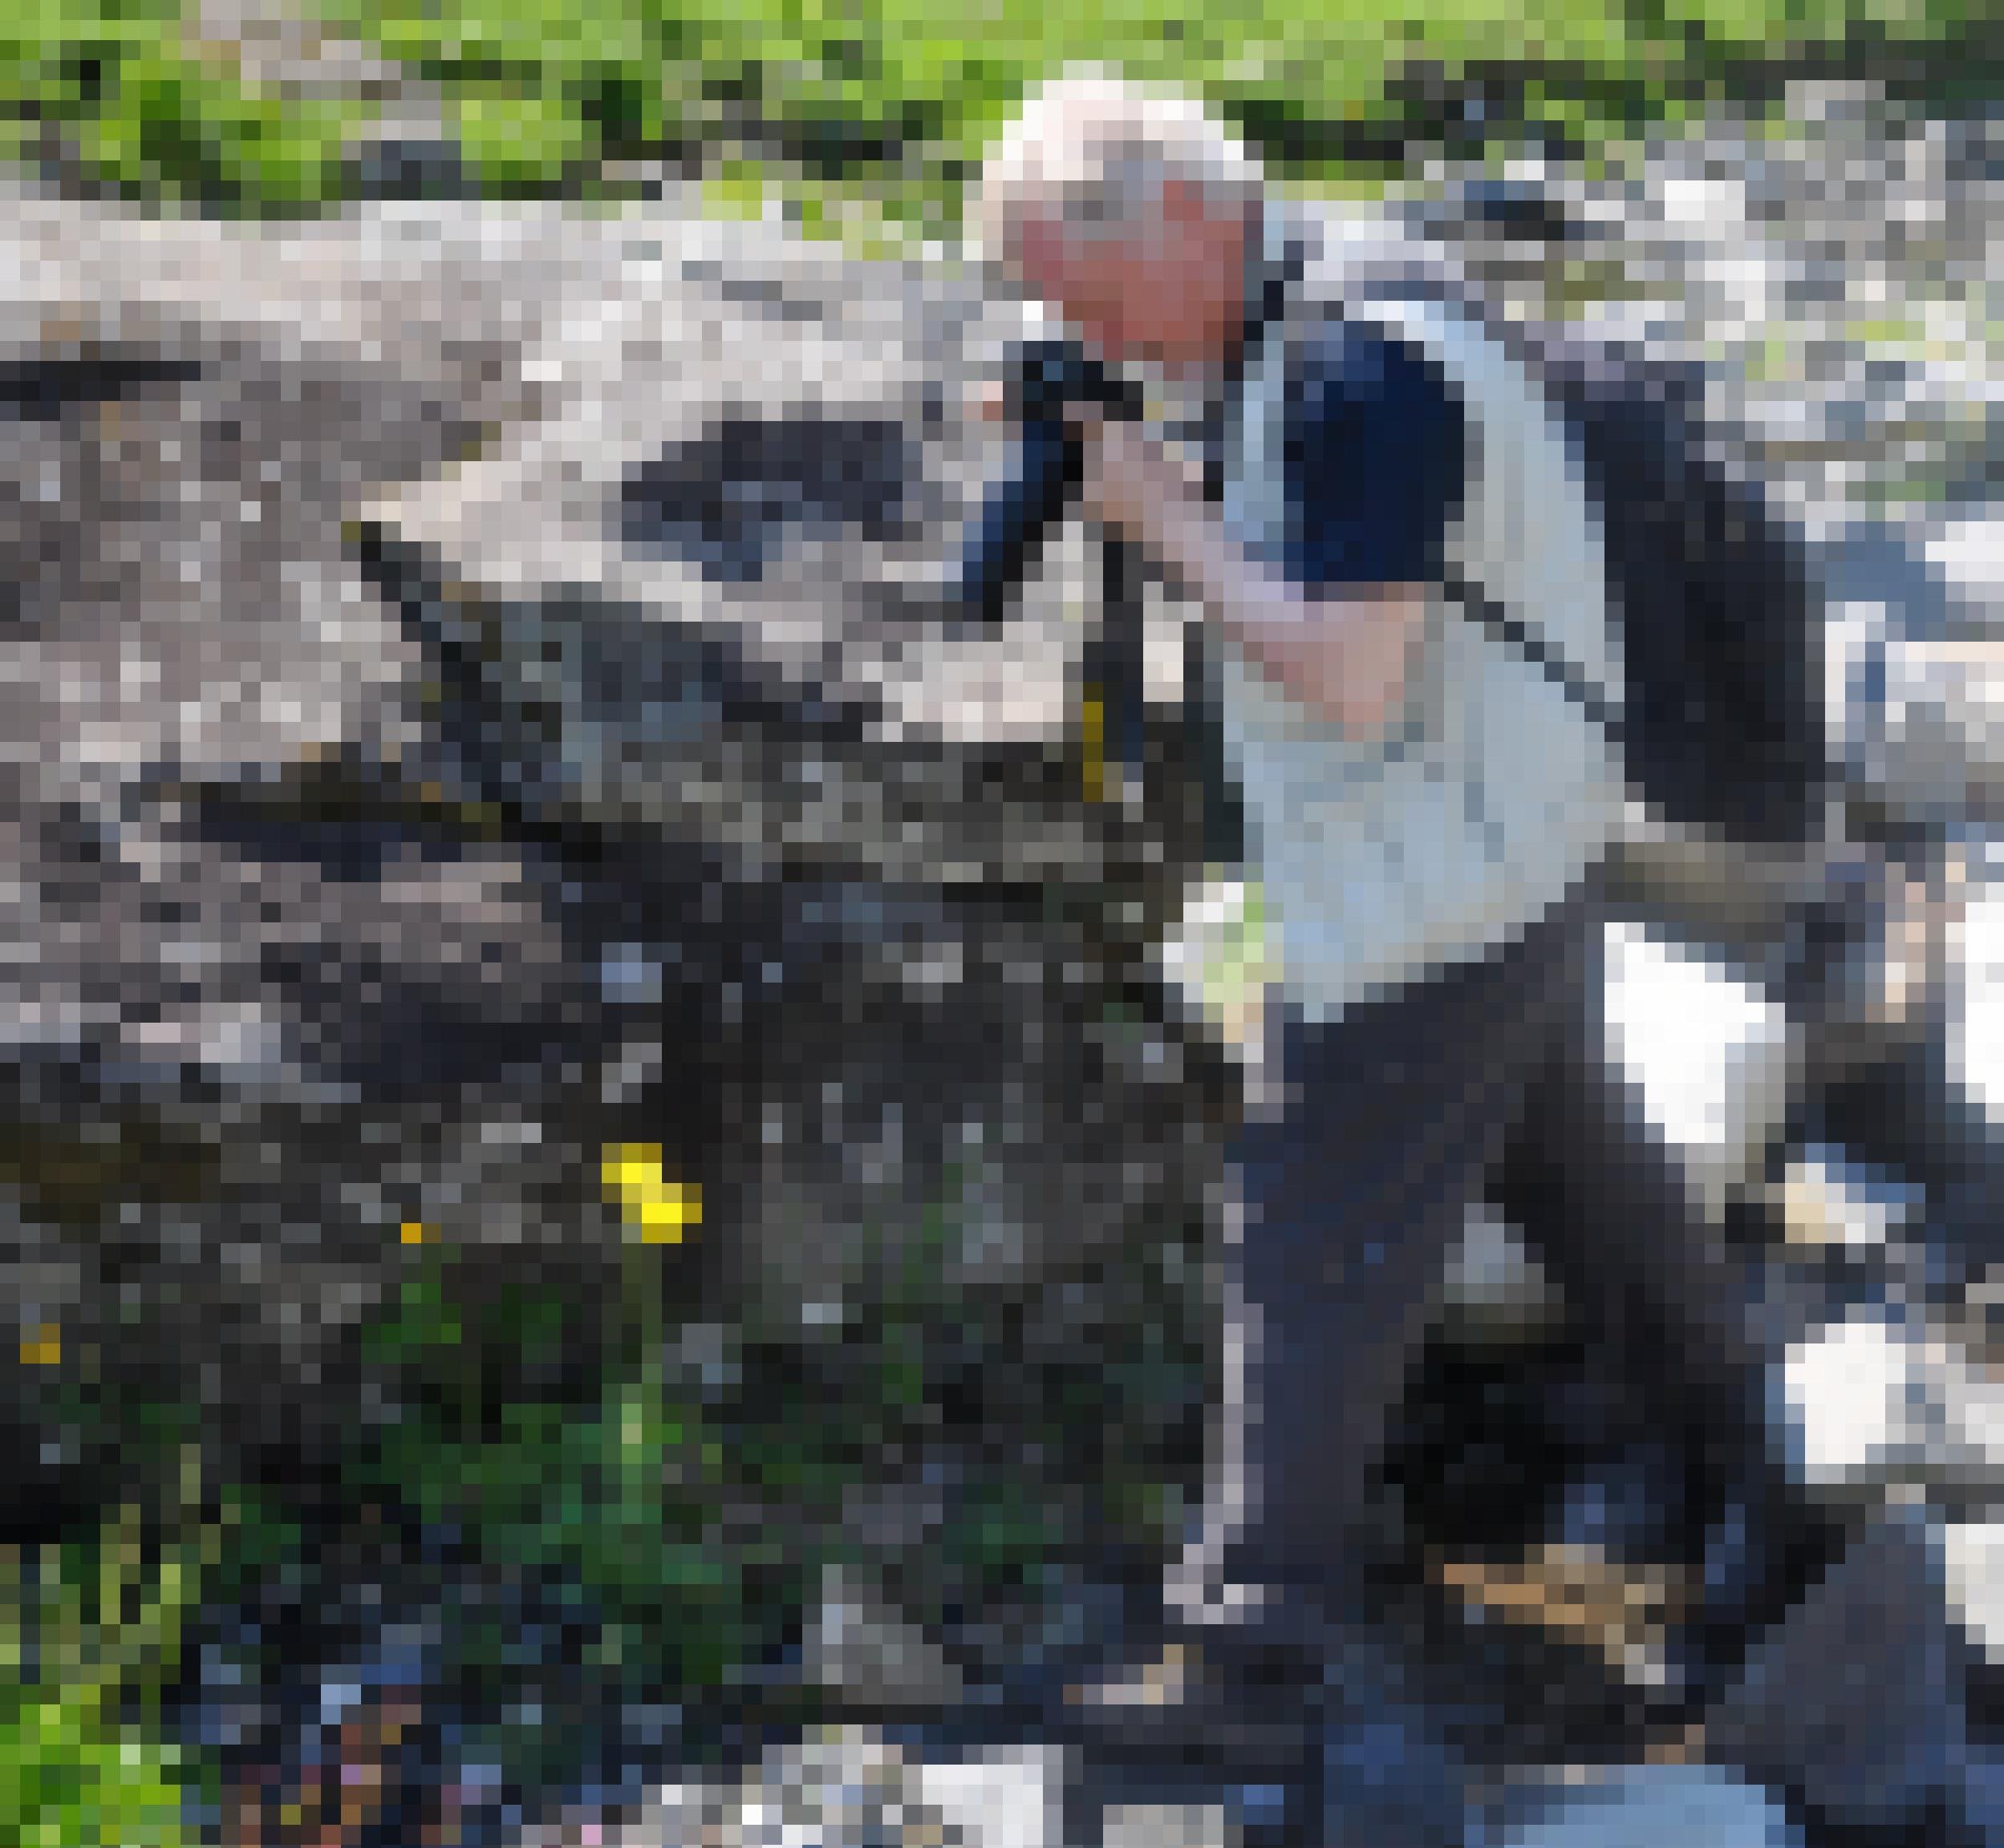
(1603, 1199)
(1353, 1194)
(1654, 1285)
(1491, 1079)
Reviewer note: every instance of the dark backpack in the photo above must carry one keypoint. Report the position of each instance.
(1719, 611)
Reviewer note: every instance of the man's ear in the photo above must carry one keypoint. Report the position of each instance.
(1042, 253)
(1182, 203)
(1185, 210)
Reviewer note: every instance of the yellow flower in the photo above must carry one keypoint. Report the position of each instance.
(658, 1207)
(44, 1348)
(413, 1232)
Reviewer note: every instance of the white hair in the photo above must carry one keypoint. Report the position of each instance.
(1089, 153)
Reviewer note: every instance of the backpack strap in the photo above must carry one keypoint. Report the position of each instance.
(1522, 639)
(1528, 565)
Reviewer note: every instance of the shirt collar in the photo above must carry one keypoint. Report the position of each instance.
(1276, 259)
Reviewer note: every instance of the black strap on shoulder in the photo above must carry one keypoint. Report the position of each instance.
(1518, 635)
(1275, 288)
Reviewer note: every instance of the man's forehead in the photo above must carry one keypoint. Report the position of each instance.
(1189, 218)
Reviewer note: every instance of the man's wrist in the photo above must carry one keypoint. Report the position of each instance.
(1232, 587)
(1189, 540)
(1345, 656)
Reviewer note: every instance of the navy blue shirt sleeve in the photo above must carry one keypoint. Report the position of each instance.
(1376, 459)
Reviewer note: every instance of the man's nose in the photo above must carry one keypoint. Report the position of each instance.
(988, 404)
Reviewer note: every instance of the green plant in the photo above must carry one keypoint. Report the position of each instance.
(613, 1494)
(145, 108)
(88, 1636)
(881, 104)
(685, 1534)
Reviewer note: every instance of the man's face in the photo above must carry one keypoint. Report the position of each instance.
(1172, 296)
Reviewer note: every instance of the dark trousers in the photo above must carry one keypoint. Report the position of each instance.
(1486, 1079)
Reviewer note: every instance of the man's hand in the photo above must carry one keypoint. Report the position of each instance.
(1130, 481)
(1343, 655)
(1134, 485)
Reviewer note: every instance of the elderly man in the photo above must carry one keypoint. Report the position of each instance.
(1414, 672)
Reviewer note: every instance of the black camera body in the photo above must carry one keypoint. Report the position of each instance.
(1049, 377)
(1047, 380)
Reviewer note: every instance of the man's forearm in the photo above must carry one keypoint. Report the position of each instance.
(1344, 656)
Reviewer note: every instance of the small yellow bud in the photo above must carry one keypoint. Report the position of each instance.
(658, 1209)
(44, 1348)
(412, 1232)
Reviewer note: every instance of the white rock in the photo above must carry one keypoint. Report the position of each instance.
(847, 1787)
(1969, 555)
(1974, 1556)
(1842, 1387)
(1002, 1800)
(1976, 1007)
(1709, 1054)
(1873, 1404)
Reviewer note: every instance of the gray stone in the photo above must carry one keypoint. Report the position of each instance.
(862, 1652)
(1496, 1288)
(1972, 1555)
(1854, 1699)
(1709, 1054)
(1656, 1806)
(1875, 1403)
(848, 1788)
(205, 408)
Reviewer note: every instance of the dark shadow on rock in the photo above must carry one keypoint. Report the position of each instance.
(728, 500)
(46, 388)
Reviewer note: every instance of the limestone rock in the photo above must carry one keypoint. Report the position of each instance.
(333, 912)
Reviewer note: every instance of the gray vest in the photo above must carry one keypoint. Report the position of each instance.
(1497, 787)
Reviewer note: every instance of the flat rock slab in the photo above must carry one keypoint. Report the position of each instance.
(767, 660)
(198, 407)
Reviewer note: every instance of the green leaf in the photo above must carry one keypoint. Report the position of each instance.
(513, 139)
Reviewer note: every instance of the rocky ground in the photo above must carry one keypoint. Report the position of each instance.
(418, 783)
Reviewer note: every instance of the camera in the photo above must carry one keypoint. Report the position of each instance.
(1047, 379)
